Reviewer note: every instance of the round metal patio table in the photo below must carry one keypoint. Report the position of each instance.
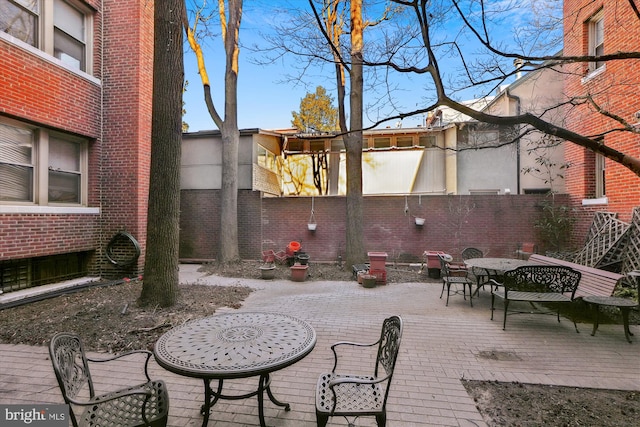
(494, 267)
(497, 264)
(236, 345)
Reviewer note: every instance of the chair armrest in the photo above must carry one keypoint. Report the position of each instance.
(495, 282)
(130, 353)
(357, 344)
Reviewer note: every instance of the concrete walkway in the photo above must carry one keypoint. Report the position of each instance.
(440, 346)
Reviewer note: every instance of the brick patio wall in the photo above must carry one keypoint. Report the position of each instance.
(494, 224)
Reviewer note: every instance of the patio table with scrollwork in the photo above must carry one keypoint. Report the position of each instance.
(236, 345)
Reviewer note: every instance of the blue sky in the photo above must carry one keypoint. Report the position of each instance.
(263, 100)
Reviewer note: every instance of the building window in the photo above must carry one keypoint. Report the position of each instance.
(429, 141)
(381, 142)
(60, 28)
(41, 167)
(17, 169)
(21, 19)
(69, 34)
(267, 159)
(600, 176)
(596, 39)
(404, 141)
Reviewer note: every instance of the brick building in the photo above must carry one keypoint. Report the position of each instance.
(75, 126)
(596, 28)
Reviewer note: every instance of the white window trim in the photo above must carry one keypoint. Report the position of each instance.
(43, 210)
(598, 201)
(592, 74)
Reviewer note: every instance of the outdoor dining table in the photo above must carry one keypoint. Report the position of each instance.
(236, 345)
(494, 267)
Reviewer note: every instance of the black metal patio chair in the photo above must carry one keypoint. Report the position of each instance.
(455, 277)
(470, 253)
(353, 395)
(145, 404)
(481, 276)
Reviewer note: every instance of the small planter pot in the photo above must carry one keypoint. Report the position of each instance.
(369, 280)
(312, 226)
(267, 271)
(420, 221)
(299, 272)
(302, 259)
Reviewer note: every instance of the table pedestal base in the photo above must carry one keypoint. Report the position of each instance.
(623, 304)
(211, 397)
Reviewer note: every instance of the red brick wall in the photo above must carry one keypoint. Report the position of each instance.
(35, 91)
(115, 114)
(27, 236)
(128, 84)
(495, 224)
(616, 90)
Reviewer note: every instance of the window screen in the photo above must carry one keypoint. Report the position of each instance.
(16, 164)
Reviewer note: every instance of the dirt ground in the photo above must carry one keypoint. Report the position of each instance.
(108, 319)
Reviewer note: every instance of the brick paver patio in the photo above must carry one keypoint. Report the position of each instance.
(441, 345)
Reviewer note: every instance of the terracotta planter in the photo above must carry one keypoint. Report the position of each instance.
(377, 260)
(299, 272)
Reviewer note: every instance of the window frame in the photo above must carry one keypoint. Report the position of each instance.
(45, 33)
(35, 15)
(41, 166)
(600, 175)
(593, 43)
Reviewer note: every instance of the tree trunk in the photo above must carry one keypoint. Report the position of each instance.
(161, 260)
(228, 242)
(229, 248)
(355, 251)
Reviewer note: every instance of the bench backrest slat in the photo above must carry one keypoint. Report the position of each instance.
(593, 282)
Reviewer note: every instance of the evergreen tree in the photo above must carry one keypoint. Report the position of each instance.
(317, 113)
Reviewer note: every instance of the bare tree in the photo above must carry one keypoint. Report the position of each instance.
(161, 260)
(495, 67)
(355, 250)
(230, 16)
